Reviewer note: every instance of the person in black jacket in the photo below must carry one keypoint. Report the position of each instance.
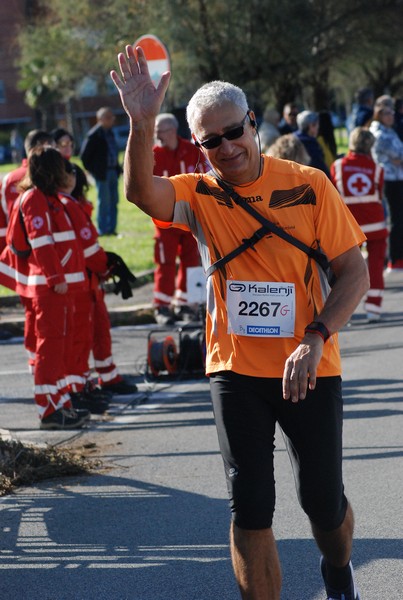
(398, 126)
(99, 154)
(363, 109)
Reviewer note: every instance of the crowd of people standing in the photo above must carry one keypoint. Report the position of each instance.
(51, 257)
(369, 177)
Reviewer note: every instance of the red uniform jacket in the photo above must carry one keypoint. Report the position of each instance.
(95, 256)
(56, 255)
(3, 226)
(186, 158)
(359, 181)
(9, 189)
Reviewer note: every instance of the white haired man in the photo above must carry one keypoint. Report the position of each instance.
(265, 365)
(173, 155)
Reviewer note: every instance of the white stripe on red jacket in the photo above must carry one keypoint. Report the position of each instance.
(56, 255)
(95, 257)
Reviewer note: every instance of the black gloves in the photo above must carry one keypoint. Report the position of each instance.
(121, 275)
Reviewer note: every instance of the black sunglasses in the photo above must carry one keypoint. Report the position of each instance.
(232, 134)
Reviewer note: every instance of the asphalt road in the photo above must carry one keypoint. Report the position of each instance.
(153, 525)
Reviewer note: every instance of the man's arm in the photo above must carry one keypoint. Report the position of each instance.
(142, 102)
(154, 195)
(351, 284)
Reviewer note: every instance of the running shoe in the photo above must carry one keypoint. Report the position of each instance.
(350, 593)
(164, 316)
(65, 418)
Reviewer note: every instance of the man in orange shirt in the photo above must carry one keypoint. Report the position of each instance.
(271, 324)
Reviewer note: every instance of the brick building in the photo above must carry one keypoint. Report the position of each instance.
(13, 110)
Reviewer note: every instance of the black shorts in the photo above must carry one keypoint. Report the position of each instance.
(246, 410)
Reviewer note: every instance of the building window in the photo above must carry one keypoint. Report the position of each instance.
(87, 88)
(2, 92)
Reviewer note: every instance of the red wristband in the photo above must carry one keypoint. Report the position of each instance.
(319, 329)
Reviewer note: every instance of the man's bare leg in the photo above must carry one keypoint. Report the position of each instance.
(256, 563)
(336, 545)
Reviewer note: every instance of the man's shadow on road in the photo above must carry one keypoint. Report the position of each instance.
(107, 537)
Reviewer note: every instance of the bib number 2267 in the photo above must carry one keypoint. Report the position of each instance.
(263, 309)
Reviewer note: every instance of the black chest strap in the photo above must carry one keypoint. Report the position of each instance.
(267, 227)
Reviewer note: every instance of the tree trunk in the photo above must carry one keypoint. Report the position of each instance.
(321, 93)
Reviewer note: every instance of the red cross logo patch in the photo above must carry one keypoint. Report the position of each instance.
(85, 233)
(37, 222)
(359, 184)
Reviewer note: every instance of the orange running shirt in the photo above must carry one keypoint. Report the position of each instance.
(303, 202)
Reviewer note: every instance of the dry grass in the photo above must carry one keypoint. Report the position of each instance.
(22, 465)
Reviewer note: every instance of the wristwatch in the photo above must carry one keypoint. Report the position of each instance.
(319, 329)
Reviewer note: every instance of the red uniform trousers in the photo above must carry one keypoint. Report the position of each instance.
(54, 334)
(77, 362)
(91, 332)
(29, 332)
(77, 358)
(376, 262)
(170, 243)
(77, 369)
(102, 342)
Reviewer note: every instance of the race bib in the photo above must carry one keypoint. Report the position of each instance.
(261, 309)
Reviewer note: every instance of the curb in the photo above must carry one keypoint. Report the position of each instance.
(140, 314)
(141, 279)
(137, 314)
